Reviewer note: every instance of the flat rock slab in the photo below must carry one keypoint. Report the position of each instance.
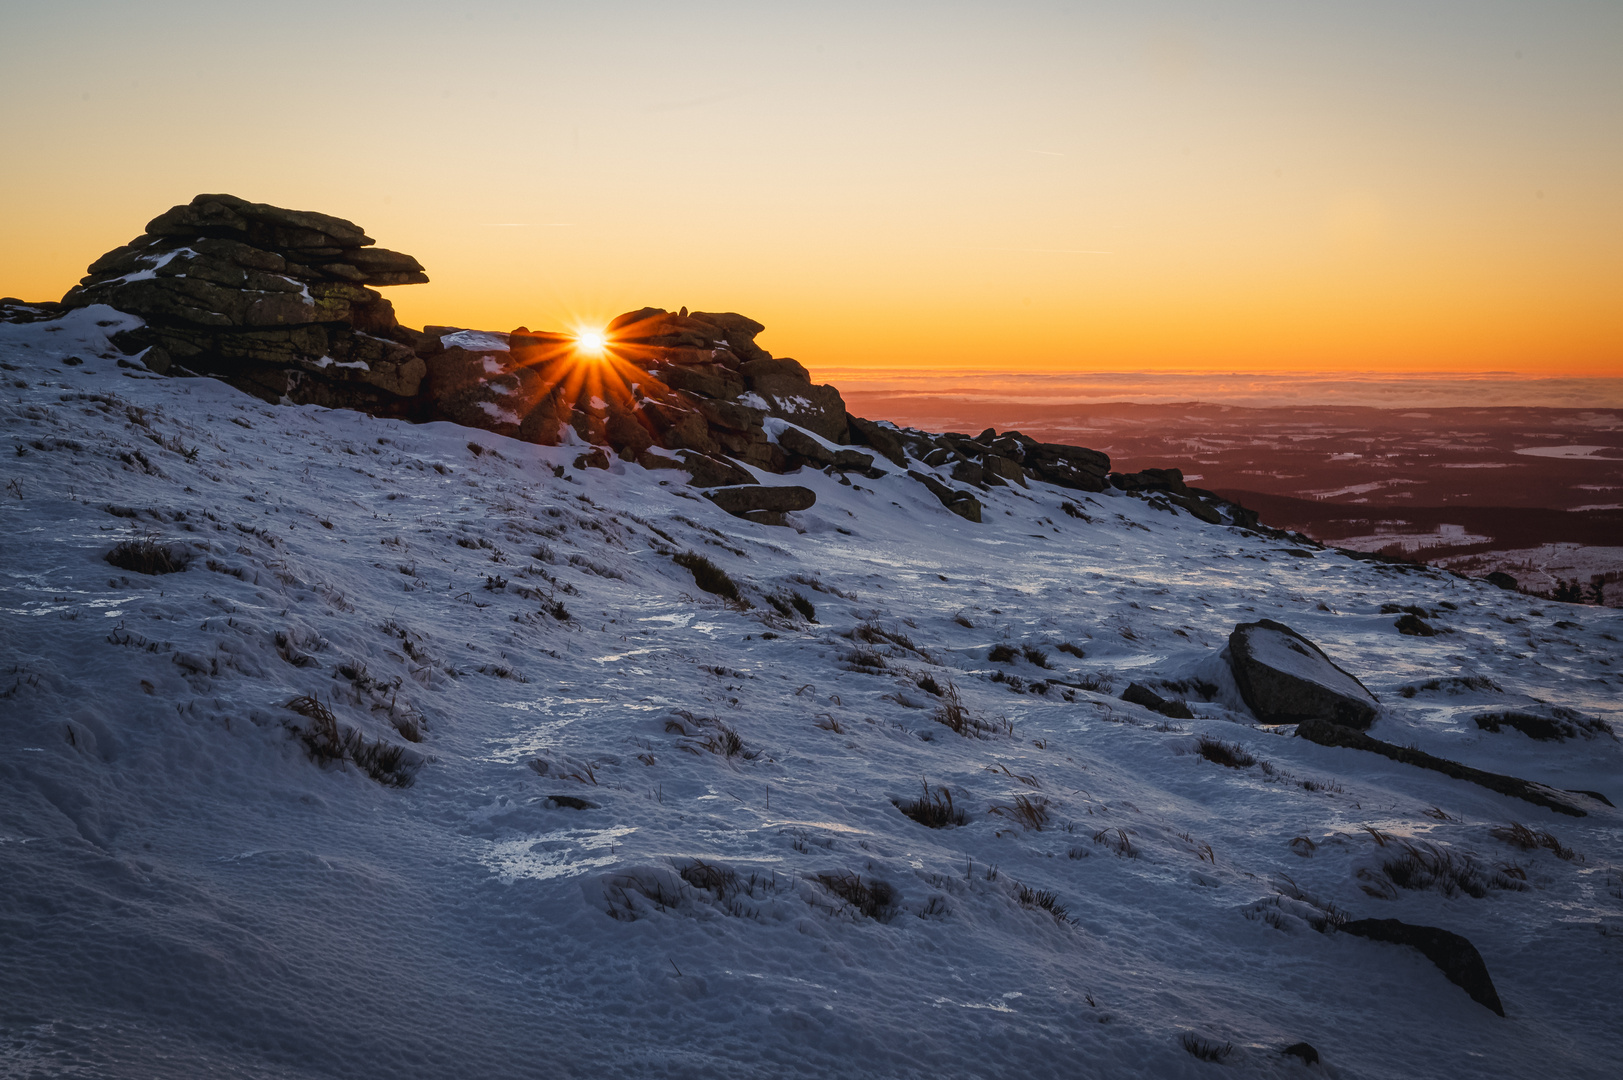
(1326, 733)
(1454, 955)
(1286, 679)
(746, 498)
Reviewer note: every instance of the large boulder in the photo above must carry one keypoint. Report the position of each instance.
(707, 470)
(1074, 467)
(1455, 956)
(1150, 480)
(763, 503)
(1285, 678)
(784, 388)
(882, 436)
(274, 301)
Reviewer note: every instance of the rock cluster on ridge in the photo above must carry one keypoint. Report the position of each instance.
(280, 304)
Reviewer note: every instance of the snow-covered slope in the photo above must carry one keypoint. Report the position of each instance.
(635, 804)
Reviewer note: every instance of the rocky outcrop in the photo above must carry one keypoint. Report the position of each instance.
(277, 302)
(13, 310)
(283, 304)
(1454, 955)
(1167, 487)
(1285, 678)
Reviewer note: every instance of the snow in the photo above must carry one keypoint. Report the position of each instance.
(327, 362)
(1579, 452)
(776, 426)
(304, 290)
(187, 893)
(497, 413)
(474, 341)
(795, 403)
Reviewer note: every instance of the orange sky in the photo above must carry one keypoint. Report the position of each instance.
(1251, 186)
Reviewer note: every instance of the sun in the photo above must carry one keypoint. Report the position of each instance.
(590, 342)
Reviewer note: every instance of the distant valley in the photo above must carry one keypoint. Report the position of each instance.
(1535, 492)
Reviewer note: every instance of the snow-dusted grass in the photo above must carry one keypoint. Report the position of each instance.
(652, 831)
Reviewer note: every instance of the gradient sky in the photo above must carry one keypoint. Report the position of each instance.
(1395, 186)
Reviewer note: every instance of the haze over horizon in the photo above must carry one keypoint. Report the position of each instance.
(1263, 187)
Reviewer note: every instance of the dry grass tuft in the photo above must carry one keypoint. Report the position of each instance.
(1116, 840)
(807, 609)
(725, 742)
(1423, 867)
(1028, 812)
(326, 741)
(933, 809)
(873, 634)
(708, 576)
(863, 661)
(1204, 1050)
(1028, 779)
(1043, 900)
(1222, 753)
(872, 899)
(146, 557)
(1520, 836)
(951, 713)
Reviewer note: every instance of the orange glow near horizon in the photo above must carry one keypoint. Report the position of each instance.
(1022, 187)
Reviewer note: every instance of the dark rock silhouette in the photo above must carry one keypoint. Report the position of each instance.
(1453, 954)
(1304, 1051)
(1139, 694)
(1328, 733)
(1285, 678)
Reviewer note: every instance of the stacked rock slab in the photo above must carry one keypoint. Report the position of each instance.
(274, 301)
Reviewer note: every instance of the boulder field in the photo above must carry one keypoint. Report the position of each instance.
(283, 304)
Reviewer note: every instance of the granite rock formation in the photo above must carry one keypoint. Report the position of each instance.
(275, 301)
(283, 304)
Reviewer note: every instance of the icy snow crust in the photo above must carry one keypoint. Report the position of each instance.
(183, 892)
